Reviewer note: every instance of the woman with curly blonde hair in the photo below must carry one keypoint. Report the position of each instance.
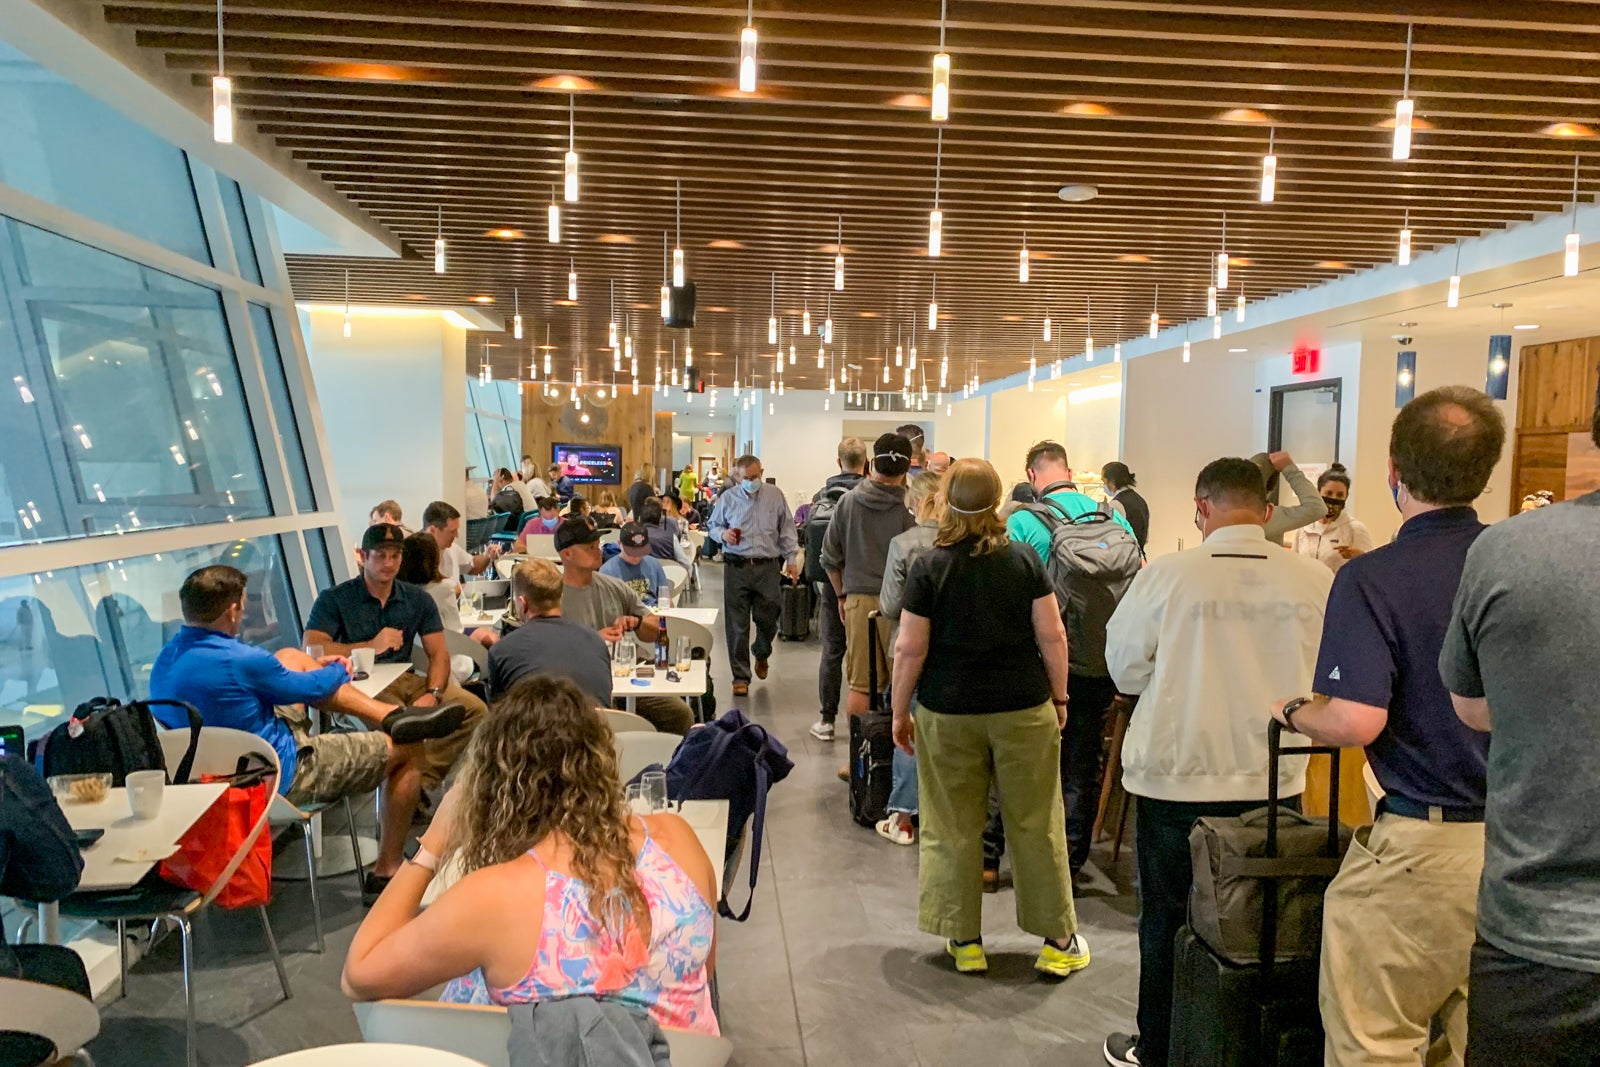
(983, 652)
(564, 894)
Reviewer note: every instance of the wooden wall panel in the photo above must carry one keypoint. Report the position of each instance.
(627, 421)
(1556, 396)
(663, 447)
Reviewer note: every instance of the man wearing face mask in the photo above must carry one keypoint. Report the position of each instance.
(1207, 639)
(1399, 920)
(752, 523)
(1339, 537)
(542, 524)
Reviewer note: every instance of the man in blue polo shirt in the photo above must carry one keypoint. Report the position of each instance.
(1399, 920)
(373, 610)
(241, 687)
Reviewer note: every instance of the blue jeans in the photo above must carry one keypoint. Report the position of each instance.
(903, 794)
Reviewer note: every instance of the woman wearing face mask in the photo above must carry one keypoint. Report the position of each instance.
(1337, 537)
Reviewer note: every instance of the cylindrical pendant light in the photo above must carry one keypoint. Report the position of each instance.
(936, 217)
(1405, 109)
(805, 318)
(1022, 261)
(838, 259)
(1216, 327)
(1222, 256)
(1404, 257)
(747, 51)
(438, 245)
(941, 75)
(554, 214)
(221, 93)
(827, 323)
(1047, 325)
(933, 305)
(611, 333)
(1238, 306)
(1211, 300)
(1186, 350)
(678, 275)
(772, 319)
(516, 314)
(1155, 313)
(1569, 266)
(572, 279)
(1269, 170)
(570, 166)
(1116, 352)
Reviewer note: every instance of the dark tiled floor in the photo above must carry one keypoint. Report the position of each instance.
(830, 969)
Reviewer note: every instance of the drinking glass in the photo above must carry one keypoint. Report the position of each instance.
(654, 784)
(664, 597)
(314, 651)
(621, 658)
(638, 802)
(683, 655)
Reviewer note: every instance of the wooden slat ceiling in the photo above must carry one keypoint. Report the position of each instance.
(1164, 105)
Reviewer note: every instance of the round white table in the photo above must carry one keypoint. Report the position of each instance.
(373, 1055)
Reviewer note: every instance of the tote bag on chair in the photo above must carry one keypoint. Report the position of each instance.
(205, 851)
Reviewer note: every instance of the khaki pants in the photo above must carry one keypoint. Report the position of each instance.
(958, 756)
(1397, 930)
(857, 656)
(440, 754)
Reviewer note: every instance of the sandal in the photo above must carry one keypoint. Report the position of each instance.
(895, 830)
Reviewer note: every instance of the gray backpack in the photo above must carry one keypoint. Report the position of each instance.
(1092, 561)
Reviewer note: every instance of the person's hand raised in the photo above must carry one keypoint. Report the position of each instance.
(387, 640)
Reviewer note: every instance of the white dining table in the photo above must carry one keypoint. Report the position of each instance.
(380, 677)
(706, 617)
(690, 683)
(708, 818)
(130, 847)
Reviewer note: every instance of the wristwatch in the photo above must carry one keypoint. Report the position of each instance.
(415, 853)
(438, 694)
(1288, 712)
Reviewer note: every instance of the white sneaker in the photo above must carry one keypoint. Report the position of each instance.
(822, 730)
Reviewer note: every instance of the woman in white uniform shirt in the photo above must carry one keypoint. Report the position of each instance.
(1337, 537)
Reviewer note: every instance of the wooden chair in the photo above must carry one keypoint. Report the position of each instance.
(480, 1032)
(219, 747)
(1111, 781)
(638, 750)
(59, 1016)
(623, 722)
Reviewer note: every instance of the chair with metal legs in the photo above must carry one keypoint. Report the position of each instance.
(156, 902)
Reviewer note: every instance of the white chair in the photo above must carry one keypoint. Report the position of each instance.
(610, 535)
(623, 722)
(676, 574)
(504, 567)
(219, 749)
(219, 754)
(369, 1056)
(481, 1032)
(638, 750)
(459, 644)
(699, 637)
(59, 1016)
(1374, 790)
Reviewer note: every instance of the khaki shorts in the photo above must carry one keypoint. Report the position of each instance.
(857, 606)
(334, 765)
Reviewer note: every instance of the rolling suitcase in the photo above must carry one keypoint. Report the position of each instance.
(871, 746)
(794, 616)
(1227, 1014)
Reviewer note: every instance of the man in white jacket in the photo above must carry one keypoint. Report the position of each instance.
(1207, 639)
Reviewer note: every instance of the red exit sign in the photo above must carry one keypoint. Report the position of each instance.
(1307, 360)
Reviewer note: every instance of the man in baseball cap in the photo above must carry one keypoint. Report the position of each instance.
(635, 567)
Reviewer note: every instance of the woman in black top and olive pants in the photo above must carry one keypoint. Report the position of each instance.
(982, 648)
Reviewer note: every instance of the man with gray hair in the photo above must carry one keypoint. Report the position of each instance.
(752, 523)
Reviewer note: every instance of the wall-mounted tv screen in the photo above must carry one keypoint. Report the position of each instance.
(589, 464)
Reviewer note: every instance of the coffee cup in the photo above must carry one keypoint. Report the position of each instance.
(144, 793)
(361, 662)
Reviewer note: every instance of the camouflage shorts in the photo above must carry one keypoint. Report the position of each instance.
(334, 765)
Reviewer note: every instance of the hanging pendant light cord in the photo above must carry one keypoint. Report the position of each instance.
(220, 50)
(938, 167)
(942, 8)
(1405, 90)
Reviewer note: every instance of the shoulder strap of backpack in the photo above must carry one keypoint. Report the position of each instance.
(758, 821)
(185, 765)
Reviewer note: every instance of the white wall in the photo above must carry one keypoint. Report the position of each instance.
(964, 433)
(798, 442)
(393, 399)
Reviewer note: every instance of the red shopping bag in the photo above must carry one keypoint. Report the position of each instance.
(205, 851)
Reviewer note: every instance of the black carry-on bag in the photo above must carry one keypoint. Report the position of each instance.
(794, 615)
(1264, 1012)
(871, 745)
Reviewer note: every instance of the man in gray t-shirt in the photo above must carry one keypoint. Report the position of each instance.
(604, 604)
(1521, 655)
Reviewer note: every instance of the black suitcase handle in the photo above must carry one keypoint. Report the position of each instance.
(873, 700)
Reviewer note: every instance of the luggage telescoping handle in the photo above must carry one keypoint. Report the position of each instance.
(872, 660)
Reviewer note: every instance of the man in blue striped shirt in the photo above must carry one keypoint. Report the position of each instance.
(752, 523)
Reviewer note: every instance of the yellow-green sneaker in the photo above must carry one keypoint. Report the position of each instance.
(1060, 962)
(969, 957)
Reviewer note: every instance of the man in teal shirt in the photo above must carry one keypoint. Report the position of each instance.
(1089, 686)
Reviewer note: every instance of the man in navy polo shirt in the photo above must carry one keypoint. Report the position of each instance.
(373, 610)
(1398, 922)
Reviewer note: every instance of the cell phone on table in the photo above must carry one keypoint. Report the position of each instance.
(85, 838)
(13, 742)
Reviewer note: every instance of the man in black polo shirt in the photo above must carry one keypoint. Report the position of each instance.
(1399, 920)
(374, 611)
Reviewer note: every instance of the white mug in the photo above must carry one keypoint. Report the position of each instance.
(144, 793)
(362, 660)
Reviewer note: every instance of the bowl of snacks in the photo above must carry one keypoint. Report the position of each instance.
(80, 788)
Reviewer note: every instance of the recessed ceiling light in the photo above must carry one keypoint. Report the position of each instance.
(725, 244)
(718, 308)
(483, 300)
(1077, 194)
(1010, 318)
(1133, 257)
(1526, 326)
(642, 306)
(867, 314)
(1244, 114)
(504, 235)
(1333, 264)
(564, 303)
(566, 83)
(1087, 108)
(916, 100)
(1417, 123)
(616, 239)
(1567, 129)
(1238, 350)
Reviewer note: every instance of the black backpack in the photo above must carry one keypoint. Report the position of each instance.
(105, 735)
(816, 528)
(1092, 561)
